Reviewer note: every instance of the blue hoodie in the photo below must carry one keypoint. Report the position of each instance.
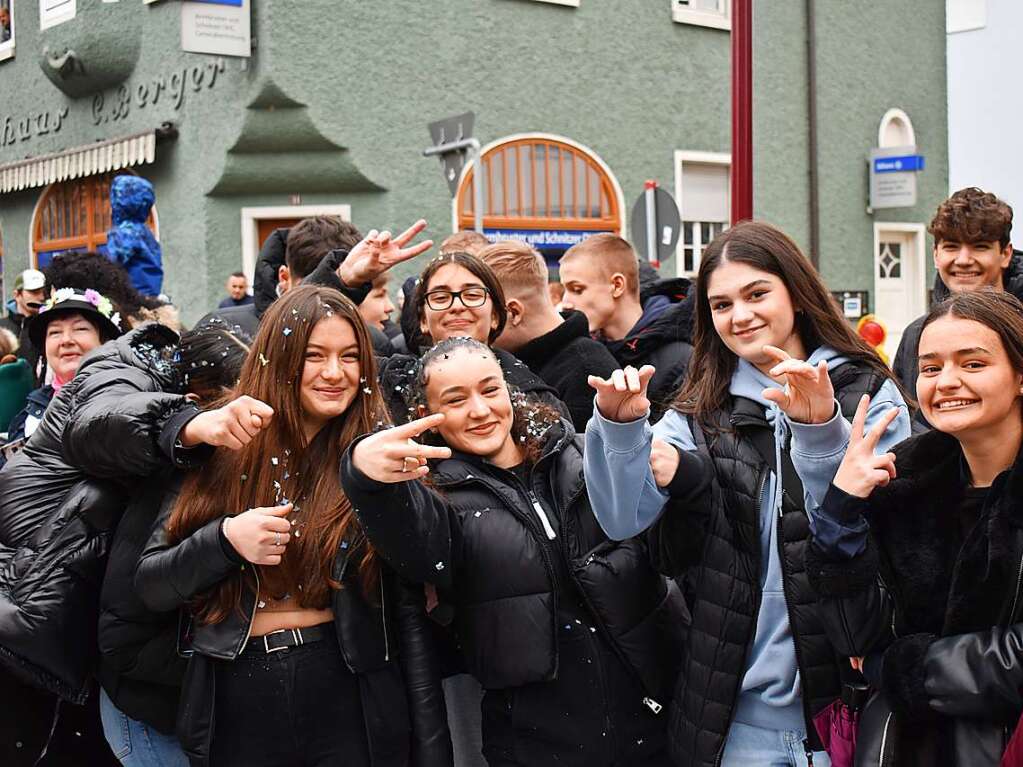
(627, 501)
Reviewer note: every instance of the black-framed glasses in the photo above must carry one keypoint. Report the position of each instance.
(439, 300)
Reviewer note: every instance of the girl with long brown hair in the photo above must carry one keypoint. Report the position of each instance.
(294, 632)
(932, 591)
(729, 484)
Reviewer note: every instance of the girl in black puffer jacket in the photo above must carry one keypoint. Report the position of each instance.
(573, 637)
(927, 588)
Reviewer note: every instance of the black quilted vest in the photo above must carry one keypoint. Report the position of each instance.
(723, 588)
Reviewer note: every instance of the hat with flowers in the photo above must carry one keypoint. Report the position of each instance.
(92, 305)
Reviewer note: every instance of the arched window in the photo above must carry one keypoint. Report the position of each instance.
(535, 183)
(74, 215)
(895, 129)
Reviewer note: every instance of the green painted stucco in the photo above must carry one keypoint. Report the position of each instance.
(333, 106)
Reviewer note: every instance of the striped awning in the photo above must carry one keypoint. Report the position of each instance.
(88, 160)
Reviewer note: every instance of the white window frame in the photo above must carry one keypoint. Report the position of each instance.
(569, 3)
(683, 156)
(251, 217)
(7, 49)
(701, 17)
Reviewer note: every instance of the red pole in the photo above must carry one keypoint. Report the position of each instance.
(742, 110)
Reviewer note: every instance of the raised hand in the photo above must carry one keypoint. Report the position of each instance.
(379, 251)
(664, 462)
(260, 535)
(861, 471)
(232, 426)
(622, 397)
(393, 455)
(808, 396)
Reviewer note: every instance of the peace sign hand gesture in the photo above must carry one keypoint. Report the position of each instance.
(861, 471)
(379, 251)
(393, 455)
(622, 397)
(808, 396)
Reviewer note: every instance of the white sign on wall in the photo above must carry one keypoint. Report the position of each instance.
(54, 12)
(220, 27)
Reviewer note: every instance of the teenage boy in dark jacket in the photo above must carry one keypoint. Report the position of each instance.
(556, 347)
(601, 279)
(972, 250)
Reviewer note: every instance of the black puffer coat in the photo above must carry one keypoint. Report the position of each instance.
(564, 358)
(945, 613)
(722, 580)
(488, 549)
(388, 646)
(56, 525)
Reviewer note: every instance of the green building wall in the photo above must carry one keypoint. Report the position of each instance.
(333, 106)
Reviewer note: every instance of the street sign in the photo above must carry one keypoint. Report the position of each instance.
(540, 239)
(448, 131)
(901, 163)
(655, 223)
(893, 176)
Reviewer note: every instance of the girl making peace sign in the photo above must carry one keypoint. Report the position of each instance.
(304, 648)
(573, 637)
(757, 420)
(932, 596)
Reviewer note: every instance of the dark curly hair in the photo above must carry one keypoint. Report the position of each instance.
(972, 215)
(83, 271)
(210, 358)
(532, 419)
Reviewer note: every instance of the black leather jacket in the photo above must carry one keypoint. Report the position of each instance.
(405, 717)
(938, 615)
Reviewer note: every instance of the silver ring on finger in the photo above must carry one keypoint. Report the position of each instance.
(277, 539)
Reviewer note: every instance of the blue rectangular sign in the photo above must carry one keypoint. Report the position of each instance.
(540, 238)
(900, 164)
(236, 3)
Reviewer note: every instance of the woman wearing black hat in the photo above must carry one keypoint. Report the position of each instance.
(67, 327)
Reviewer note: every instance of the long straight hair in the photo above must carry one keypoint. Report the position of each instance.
(279, 465)
(818, 321)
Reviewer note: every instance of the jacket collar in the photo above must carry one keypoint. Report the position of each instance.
(955, 588)
(548, 346)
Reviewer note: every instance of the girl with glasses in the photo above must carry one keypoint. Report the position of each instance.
(457, 296)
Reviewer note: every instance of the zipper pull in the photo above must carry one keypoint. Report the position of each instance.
(653, 705)
(543, 517)
(809, 752)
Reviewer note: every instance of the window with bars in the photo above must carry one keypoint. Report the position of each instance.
(707, 13)
(538, 183)
(703, 191)
(696, 236)
(74, 216)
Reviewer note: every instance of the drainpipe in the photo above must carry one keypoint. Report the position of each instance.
(742, 110)
(811, 94)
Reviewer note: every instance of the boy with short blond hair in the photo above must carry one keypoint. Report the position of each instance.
(649, 327)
